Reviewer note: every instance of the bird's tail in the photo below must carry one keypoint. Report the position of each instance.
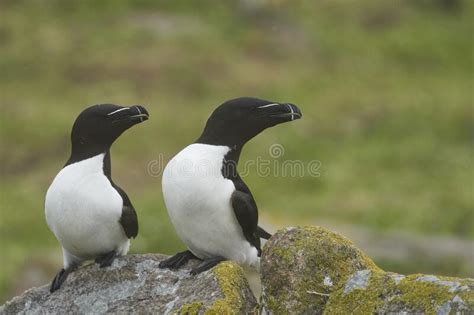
(262, 233)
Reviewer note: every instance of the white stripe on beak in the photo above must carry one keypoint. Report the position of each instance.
(118, 110)
(268, 105)
(292, 113)
(139, 113)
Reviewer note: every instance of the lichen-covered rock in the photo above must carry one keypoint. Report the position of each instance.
(135, 284)
(387, 292)
(300, 267)
(310, 270)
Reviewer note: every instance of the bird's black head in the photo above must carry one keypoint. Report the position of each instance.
(237, 121)
(98, 126)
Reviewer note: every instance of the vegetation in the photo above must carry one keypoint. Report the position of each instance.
(385, 88)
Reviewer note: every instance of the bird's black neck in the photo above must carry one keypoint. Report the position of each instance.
(107, 166)
(231, 160)
(229, 169)
(82, 152)
(219, 134)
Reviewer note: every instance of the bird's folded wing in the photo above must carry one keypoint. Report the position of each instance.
(129, 221)
(246, 213)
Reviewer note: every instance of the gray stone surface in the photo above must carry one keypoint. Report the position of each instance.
(135, 284)
(359, 280)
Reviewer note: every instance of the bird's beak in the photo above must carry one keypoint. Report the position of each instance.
(140, 115)
(282, 112)
(135, 114)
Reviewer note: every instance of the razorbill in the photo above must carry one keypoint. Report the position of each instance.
(88, 213)
(211, 208)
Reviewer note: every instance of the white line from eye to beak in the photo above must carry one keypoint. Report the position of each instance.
(118, 110)
(268, 105)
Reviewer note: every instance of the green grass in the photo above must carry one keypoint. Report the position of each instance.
(385, 88)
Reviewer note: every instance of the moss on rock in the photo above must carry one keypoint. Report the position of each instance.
(352, 300)
(235, 296)
(387, 292)
(302, 266)
(235, 288)
(191, 308)
(313, 270)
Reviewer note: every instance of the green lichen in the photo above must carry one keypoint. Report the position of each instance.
(422, 295)
(285, 254)
(383, 295)
(232, 282)
(468, 295)
(191, 308)
(296, 261)
(326, 254)
(360, 300)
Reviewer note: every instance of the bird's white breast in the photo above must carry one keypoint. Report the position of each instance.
(83, 210)
(198, 199)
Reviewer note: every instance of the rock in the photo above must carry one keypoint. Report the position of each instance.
(307, 270)
(311, 270)
(301, 267)
(135, 284)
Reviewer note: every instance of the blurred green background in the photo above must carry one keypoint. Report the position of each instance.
(385, 88)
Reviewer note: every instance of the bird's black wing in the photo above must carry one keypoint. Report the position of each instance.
(246, 213)
(242, 201)
(128, 220)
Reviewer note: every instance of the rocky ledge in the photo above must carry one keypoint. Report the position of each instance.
(135, 284)
(304, 270)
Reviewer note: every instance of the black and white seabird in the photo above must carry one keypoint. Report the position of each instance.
(211, 208)
(88, 213)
